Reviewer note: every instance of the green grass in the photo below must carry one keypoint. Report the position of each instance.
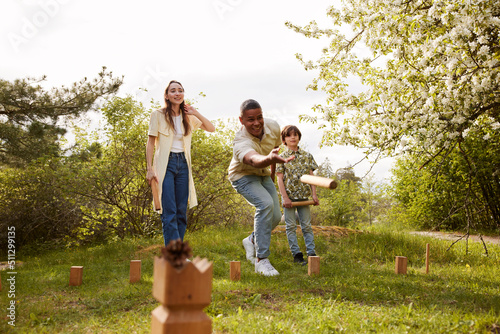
(357, 290)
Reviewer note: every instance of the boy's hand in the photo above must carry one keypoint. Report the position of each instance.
(316, 200)
(287, 203)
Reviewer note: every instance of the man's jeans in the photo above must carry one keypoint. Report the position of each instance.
(304, 216)
(174, 198)
(260, 192)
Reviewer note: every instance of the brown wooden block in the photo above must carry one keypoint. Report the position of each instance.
(76, 276)
(183, 293)
(180, 321)
(190, 285)
(135, 271)
(235, 270)
(313, 265)
(401, 262)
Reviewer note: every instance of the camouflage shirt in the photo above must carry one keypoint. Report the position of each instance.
(293, 170)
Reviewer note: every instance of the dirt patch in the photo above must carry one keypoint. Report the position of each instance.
(5, 265)
(328, 231)
(456, 236)
(154, 249)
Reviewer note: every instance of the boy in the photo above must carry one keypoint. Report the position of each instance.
(293, 190)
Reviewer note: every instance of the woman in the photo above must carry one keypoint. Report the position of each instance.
(170, 131)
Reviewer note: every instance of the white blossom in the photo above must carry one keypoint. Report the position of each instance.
(435, 78)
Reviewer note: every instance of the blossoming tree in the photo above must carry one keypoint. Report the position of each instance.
(439, 79)
(429, 71)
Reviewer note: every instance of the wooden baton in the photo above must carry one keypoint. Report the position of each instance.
(319, 181)
(156, 198)
(302, 203)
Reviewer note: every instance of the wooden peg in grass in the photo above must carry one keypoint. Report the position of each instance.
(427, 259)
(135, 271)
(235, 270)
(401, 262)
(76, 276)
(313, 265)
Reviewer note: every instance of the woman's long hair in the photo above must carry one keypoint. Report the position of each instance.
(169, 111)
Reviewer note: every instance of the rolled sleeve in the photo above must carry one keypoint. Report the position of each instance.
(153, 124)
(242, 148)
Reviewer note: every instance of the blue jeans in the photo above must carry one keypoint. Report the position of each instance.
(304, 215)
(174, 198)
(261, 193)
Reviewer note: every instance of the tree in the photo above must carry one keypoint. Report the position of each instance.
(453, 197)
(435, 79)
(430, 75)
(30, 114)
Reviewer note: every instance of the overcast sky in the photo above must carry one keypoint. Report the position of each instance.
(230, 50)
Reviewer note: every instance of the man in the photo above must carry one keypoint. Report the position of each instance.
(255, 148)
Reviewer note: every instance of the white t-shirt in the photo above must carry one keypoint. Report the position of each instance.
(177, 143)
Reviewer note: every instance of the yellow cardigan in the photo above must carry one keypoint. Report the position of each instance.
(160, 128)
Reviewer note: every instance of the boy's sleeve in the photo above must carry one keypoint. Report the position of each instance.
(280, 168)
(313, 163)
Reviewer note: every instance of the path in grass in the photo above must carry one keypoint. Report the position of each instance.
(455, 236)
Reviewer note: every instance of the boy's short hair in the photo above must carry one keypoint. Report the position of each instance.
(287, 131)
(247, 105)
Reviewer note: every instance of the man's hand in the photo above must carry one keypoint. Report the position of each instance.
(274, 157)
(261, 161)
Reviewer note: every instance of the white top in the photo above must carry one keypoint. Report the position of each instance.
(177, 143)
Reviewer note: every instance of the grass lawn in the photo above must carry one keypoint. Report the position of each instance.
(357, 290)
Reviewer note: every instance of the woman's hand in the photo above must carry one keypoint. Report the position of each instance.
(150, 176)
(189, 109)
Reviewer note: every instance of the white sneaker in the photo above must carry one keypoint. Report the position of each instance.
(249, 249)
(265, 268)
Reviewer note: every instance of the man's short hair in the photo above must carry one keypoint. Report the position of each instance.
(249, 104)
